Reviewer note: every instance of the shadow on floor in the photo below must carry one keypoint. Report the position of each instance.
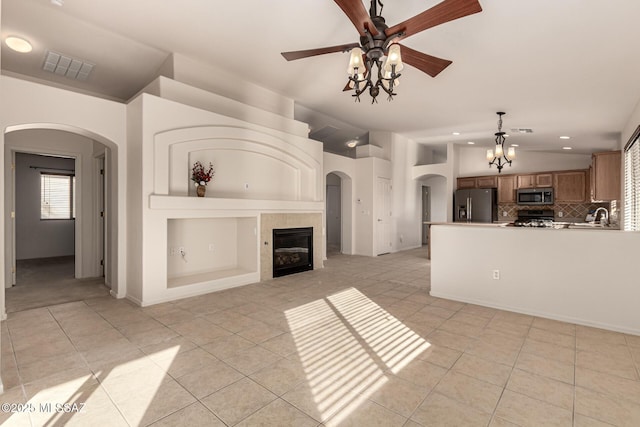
(47, 281)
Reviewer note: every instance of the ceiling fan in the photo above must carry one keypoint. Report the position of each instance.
(377, 40)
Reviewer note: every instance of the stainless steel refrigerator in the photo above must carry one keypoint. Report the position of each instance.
(475, 205)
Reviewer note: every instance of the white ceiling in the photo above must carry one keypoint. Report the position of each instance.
(565, 67)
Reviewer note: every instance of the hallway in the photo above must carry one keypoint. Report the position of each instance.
(50, 281)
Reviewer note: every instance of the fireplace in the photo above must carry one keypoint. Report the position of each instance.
(292, 250)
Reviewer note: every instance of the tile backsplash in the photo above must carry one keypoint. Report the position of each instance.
(571, 212)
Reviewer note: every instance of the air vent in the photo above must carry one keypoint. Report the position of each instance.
(521, 130)
(63, 65)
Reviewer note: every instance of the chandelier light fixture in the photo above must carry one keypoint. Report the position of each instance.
(375, 61)
(366, 66)
(499, 158)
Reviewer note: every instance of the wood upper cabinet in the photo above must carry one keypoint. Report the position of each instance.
(486, 182)
(570, 186)
(605, 176)
(477, 182)
(526, 181)
(507, 189)
(544, 180)
(464, 183)
(535, 180)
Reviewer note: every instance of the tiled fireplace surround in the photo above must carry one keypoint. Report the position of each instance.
(287, 220)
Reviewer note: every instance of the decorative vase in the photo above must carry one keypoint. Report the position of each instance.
(200, 190)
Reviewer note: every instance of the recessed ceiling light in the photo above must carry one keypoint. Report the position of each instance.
(18, 44)
(455, 133)
(567, 148)
(352, 144)
(471, 143)
(57, 2)
(515, 145)
(565, 137)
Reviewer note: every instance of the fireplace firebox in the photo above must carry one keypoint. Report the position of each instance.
(292, 250)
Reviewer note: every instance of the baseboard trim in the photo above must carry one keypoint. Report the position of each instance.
(537, 313)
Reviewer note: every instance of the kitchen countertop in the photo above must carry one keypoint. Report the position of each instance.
(556, 225)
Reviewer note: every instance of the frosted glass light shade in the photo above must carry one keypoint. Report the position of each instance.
(355, 61)
(499, 151)
(489, 155)
(511, 153)
(394, 57)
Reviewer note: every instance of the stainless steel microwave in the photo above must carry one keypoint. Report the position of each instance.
(534, 196)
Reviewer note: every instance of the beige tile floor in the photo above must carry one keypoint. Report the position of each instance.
(359, 343)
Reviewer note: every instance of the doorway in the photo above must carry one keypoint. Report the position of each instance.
(334, 214)
(383, 214)
(426, 213)
(55, 201)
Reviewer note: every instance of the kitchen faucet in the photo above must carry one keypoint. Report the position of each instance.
(604, 219)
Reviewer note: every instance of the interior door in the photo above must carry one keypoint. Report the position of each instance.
(383, 215)
(333, 218)
(426, 214)
(101, 213)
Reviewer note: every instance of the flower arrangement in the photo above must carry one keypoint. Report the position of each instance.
(200, 175)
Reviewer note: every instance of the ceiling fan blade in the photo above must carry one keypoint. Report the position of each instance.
(443, 12)
(299, 54)
(355, 11)
(426, 63)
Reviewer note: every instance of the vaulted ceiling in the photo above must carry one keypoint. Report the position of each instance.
(557, 67)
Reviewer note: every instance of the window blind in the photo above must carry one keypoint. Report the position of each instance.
(632, 183)
(57, 196)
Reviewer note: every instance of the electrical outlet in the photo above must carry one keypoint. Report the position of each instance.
(496, 274)
(246, 185)
(172, 251)
(211, 247)
(504, 213)
(560, 214)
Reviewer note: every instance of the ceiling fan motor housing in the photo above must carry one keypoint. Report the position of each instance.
(375, 47)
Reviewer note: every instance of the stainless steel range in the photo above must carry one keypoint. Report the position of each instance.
(535, 218)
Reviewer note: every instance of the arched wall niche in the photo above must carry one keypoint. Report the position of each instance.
(296, 172)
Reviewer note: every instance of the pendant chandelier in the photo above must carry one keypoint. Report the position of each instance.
(499, 158)
(365, 67)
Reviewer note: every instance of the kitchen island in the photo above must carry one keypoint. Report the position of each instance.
(584, 276)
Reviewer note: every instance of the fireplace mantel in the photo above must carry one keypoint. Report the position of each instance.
(213, 203)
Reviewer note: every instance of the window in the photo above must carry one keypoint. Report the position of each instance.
(57, 196)
(632, 183)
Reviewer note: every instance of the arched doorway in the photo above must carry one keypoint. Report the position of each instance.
(339, 213)
(93, 223)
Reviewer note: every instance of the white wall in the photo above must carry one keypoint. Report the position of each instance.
(472, 161)
(407, 195)
(27, 105)
(587, 277)
(345, 168)
(37, 238)
(439, 197)
(165, 137)
(226, 84)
